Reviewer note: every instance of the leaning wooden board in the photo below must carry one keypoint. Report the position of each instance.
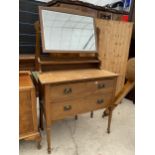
(114, 43)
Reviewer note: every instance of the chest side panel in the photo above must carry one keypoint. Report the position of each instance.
(26, 124)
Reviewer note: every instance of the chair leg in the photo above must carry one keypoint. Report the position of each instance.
(76, 117)
(109, 119)
(91, 114)
(38, 140)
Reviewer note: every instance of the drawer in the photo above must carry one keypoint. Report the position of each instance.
(60, 110)
(79, 89)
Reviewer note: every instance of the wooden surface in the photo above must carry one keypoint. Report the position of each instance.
(114, 43)
(25, 81)
(58, 61)
(79, 89)
(28, 127)
(79, 105)
(68, 93)
(26, 57)
(26, 62)
(72, 75)
(25, 120)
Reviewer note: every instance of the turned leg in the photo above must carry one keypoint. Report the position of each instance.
(38, 140)
(91, 114)
(38, 145)
(109, 119)
(41, 118)
(48, 132)
(76, 117)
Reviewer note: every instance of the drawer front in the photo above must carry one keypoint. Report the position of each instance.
(79, 89)
(60, 110)
(25, 113)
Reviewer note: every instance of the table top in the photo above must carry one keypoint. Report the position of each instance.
(73, 75)
(25, 81)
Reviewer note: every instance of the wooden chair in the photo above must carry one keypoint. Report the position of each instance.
(129, 85)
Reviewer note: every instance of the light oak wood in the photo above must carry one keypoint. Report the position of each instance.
(26, 57)
(114, 37)
(114, 43)
(72, 75)
(68, 93)
(28, 127)
(113, 49)
(25, 81)
(79, 89)
(63, 109)
(58, 61)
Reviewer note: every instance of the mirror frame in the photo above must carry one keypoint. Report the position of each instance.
(69, 11)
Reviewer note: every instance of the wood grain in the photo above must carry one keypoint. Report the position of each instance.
(85, 96)
(114, 43)
(73, 75)
(28, 126)
(25, 81)
(77, 90)
(78, 106)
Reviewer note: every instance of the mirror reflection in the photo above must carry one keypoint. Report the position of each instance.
(67, 32)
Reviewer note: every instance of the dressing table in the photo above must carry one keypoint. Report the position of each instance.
(69, 91)
(73, 92)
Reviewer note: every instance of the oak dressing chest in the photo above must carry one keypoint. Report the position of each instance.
(68, 93)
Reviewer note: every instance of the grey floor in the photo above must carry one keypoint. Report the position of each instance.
(87, 136)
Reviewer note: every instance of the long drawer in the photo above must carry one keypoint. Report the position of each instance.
(79, 89)
(59, 110)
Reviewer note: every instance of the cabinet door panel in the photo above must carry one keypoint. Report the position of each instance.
(25, 113)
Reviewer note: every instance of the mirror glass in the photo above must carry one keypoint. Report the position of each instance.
(67, 32)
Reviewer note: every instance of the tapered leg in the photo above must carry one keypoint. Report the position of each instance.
(38, 140)
(109, 119)
(76, 117)
(91, 114)
(38, 145)
(41, 118)
(48, 132)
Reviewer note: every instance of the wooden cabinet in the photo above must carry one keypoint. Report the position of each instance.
(68, 93)
(28, 127)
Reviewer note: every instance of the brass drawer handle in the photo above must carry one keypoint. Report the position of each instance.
(67, 107)
(101, 85)
(67, 90)
(100, 101)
